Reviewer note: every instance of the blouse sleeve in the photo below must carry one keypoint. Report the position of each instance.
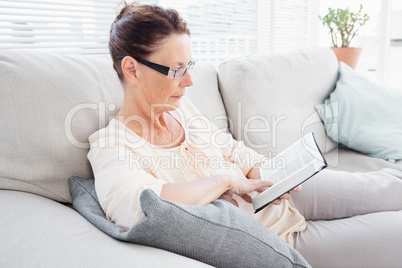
(119, 180)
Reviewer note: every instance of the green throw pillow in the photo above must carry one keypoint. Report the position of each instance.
(364, 116)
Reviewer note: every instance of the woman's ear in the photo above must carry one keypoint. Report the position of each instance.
(130, 67)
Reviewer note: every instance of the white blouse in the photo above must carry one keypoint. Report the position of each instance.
(124, 164)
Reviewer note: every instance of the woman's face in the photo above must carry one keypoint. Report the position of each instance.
(159, 89)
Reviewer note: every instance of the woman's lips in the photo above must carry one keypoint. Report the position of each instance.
(178, 96)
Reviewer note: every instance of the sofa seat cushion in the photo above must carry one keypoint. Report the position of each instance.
(270, 99)
(38, 232)
(218, 234)
(345, 159)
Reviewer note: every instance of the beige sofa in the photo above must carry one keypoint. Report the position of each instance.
(50, 105)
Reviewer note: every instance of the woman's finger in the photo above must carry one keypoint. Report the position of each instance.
(298, 189)
(262, 189)
(277, 201)
(259, 183)
(246, 198)
(234, 202)
(286, 196)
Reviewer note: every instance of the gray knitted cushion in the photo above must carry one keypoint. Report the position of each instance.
(218, 234)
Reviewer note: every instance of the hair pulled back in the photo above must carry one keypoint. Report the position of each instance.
(139, 30)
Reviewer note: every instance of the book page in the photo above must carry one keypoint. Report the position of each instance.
(298, 163)
(291, 160)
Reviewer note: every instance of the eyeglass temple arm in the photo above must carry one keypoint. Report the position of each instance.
(160, 68)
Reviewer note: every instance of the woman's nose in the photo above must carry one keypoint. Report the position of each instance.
(187, 80)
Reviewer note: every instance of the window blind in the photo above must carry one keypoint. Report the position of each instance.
(227, 29)
(69, 26)
(290, 24)
(220, 30)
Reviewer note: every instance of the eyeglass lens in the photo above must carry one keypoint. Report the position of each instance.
(181, 71)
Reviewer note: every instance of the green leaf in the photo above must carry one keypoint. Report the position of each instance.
(343, 24)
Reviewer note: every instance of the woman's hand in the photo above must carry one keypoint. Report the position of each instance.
(242, 187)
(287, 196)
(254, 173)
(205, 191)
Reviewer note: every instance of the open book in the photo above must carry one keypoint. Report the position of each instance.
(289, 169)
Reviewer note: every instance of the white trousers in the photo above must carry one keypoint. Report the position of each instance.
(353, 219)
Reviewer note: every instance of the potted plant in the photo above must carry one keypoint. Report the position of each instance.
(343, 26)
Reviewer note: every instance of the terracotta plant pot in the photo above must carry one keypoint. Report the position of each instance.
(348, 55)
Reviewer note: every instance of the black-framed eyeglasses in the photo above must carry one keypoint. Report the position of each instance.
(169, 72)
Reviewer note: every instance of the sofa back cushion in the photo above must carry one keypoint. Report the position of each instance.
(49, 106)
(270, 99)
(206, 96)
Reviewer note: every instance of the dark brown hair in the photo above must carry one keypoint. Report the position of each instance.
(138, 30)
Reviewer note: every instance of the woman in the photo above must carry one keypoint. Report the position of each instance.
(157, 140)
